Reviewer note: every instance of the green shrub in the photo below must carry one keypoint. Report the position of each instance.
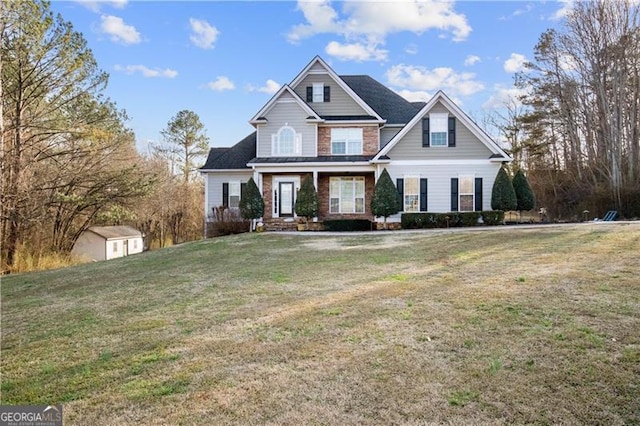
(503, 196)
(347, 225)
(493, 217)
(451, 219)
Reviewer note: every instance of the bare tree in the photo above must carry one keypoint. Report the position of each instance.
(584, 106)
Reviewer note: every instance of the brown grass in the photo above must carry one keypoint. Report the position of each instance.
(519, 326)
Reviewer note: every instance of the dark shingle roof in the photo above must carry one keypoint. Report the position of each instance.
(347, 117)
(235, 157)
(387, 103)
(319, 159)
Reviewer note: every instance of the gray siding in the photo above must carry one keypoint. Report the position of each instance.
(468, 147)
(439, 181)
(213, 196)
(386, 133)
(340, 102)
(291, 114)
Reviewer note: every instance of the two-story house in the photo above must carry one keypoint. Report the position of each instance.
(344, 130)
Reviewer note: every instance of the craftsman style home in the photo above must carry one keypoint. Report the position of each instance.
(344, 130)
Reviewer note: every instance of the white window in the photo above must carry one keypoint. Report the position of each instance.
(466, 193)
(135, 244)
(346, 141)
(346, 194)
(286, 142)
(318, 92)
(438, 127)
(411, 194)
(115, 247)
(234, 194)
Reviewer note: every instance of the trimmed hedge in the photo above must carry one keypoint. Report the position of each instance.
(451, 220)
(347, 225)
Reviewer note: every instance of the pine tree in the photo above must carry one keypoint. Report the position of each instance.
(503, 197)
(385, 197)
(307, 204)
(251, 202)
(526, 199)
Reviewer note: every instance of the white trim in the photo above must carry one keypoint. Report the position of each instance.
(206, 198)
(473, 191)
(275, 99)
(404, 193)
(344, 86)
(321, 168)
(275, 183)
(447, 162)
(459, 114)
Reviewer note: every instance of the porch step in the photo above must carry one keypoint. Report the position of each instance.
(279, 225)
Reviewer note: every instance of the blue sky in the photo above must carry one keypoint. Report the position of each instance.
(224, 59)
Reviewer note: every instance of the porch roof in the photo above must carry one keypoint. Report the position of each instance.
(319, 159)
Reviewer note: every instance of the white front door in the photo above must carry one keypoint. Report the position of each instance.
(286, 198)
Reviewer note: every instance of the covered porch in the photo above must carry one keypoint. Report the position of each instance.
(343, 192)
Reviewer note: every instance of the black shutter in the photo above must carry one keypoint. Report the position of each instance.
(452, 132)
(454, 194)
(425, 133)
(400, 187)
(225, 194)
(478, 190)
(327, 93)
(309, 94)
(423, 195)
(243, 187)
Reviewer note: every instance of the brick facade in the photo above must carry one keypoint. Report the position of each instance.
(370, 140)
(323, 195)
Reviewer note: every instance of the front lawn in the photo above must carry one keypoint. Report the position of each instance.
(483, 326)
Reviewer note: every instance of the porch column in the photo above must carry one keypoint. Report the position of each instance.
(315, 185)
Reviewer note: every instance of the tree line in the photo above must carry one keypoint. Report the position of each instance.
(67, 159)
(577, 132)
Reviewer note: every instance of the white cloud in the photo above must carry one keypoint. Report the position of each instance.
(220, 84)
(471, 60)
(95, 5)
(146, 71)
(355, 52)
(415, 95)
(566, 7)
(411, 49)
(515, 63)
(365, 25)
(503, 96)
(270, 87)
(204, 35)
(118, 30)
(423, 79)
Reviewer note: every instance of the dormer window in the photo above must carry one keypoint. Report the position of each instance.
(439, 130)
(286, 142)
(318, 93)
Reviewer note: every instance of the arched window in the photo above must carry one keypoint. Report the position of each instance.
(286, 142)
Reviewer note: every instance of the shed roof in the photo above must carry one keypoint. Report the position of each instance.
(115, 232)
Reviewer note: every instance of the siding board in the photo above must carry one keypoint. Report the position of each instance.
(468, 146)
(341, 103)
(291, 114)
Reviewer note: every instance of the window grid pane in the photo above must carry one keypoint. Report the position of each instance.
(318, 92)
(346, 141)
(466, 203)
(438, 139)
(346, 195)
(411, 194)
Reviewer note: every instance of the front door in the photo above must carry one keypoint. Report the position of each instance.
(286, 198)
